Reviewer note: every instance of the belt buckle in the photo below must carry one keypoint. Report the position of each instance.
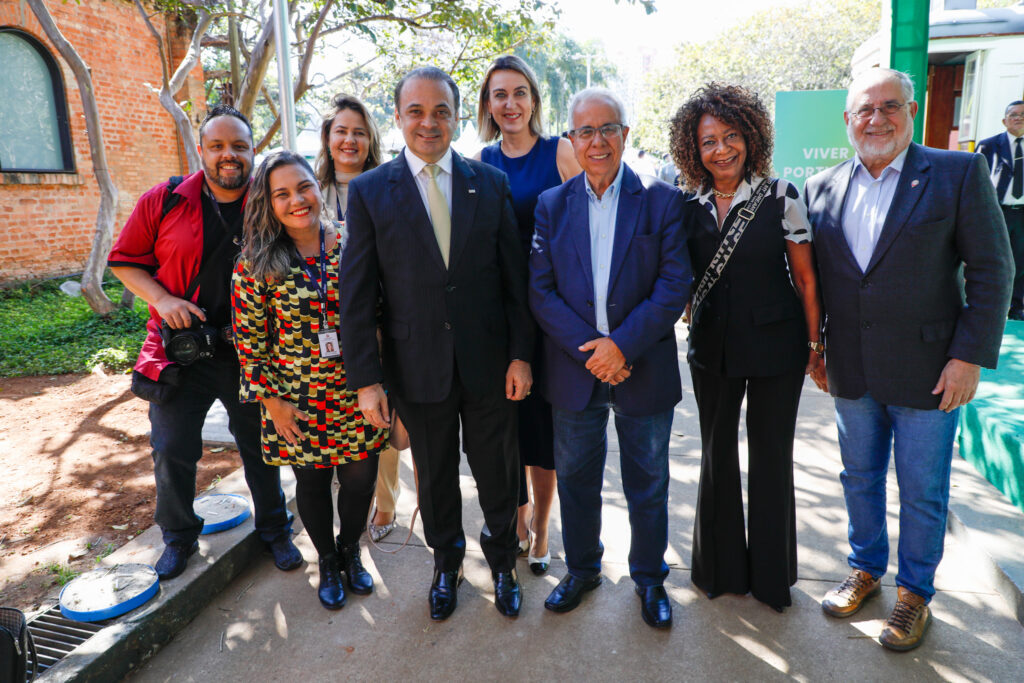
(746, 214)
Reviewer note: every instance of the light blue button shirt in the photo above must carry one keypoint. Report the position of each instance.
(602, 239)
(867, 204)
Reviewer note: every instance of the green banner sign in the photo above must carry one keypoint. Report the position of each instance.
(810, 135)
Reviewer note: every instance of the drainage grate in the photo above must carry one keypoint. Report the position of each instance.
(55, 637)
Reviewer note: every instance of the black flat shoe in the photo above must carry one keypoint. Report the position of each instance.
(444, 593)
(331, 591)
(654, 606)
(359, 580)
(174, 560)
(508, 594)
(567, 594)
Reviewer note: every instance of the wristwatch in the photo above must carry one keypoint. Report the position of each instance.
(817, 346)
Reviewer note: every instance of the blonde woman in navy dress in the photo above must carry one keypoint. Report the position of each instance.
(509, 111)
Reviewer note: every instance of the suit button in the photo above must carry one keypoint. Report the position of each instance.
(450, 288)
(864, 284)
(866, 325)
(447, 326)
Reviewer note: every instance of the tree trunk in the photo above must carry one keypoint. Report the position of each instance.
(173, 84)
(92, 277)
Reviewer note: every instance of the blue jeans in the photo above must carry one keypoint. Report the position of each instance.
(581, 446)
(177, 442)
(922, 441)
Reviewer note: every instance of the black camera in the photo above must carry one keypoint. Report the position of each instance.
(189, 344)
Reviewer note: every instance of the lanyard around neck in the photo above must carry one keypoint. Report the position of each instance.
(320, 279)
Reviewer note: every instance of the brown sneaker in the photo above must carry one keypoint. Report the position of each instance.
(849, 596)
(905, 627)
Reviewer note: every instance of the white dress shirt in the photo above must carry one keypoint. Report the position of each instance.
(1009, 199)
(602, 238)
(867, 204)
(444, 179)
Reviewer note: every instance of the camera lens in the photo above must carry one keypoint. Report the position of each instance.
(184, 348)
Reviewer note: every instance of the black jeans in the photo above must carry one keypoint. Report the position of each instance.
(176, 437)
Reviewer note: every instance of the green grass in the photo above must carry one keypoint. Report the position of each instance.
(45, 332)
(62, 573)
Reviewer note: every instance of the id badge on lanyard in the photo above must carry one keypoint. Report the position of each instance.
(328, 338)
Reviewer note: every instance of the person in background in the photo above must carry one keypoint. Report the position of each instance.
(349, 145)
(749, 337)
(176, 252)
(915, 271)
(1005, 156)
(510, 109)
(286, 333)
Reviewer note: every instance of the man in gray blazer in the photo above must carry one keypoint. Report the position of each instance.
(906, 333)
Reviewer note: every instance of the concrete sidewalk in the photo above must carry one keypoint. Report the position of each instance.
(268, 625)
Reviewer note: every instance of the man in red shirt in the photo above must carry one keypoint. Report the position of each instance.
(177, 253)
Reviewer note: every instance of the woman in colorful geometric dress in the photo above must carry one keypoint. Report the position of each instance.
(285, 302)
(509, 113)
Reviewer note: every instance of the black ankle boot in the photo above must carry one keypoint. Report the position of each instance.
(359, 580)
(331, 591)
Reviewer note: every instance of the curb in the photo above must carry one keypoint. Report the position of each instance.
(125, 642)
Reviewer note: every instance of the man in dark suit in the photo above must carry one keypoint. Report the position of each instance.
(1005, 156)
(904, 345)
(609, 277)
(433, 237)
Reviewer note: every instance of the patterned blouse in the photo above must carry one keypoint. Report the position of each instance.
(276, 327)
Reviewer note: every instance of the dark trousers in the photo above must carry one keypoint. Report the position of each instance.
(356, 483)
(1015, 226)
(177, 442)
(762, 560)
(489, 440)
(581, 448)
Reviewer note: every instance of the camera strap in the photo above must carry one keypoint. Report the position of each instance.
(215, 254)
(329, 346)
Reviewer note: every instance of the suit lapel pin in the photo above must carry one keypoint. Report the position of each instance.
(915, 183)
(472, 191)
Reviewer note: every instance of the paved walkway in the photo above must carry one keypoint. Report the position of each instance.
(268, 625)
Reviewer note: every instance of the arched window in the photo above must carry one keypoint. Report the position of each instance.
(34, 133)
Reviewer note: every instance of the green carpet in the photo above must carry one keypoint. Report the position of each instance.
(992, 425)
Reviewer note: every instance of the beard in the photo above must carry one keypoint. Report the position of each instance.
(230, 182)
(872, 150)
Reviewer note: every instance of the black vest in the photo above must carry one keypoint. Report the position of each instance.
(752, 322)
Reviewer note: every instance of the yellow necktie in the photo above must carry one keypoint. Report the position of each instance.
(439, 215)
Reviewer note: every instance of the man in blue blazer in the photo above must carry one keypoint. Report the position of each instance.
(904, 345)
(609, 277)
(1005, 156)
(434, 261)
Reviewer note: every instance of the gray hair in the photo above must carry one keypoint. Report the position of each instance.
(597, 93)
(879, 74)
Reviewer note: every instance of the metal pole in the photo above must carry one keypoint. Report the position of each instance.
(286, 106)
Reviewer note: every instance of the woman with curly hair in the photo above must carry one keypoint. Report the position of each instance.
(754, 332)
(285, 303)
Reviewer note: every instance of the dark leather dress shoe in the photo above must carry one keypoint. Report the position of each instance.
(654, 606)
(286, 555)
(331, 591)
(174, 560)
(444, 593)
(567, 594)
(508, 595)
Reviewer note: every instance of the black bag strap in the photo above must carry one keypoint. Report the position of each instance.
(35, 657)
(172, 198)
(225, 239)
(725, 250)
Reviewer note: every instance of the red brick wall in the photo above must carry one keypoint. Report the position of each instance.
(47, 220)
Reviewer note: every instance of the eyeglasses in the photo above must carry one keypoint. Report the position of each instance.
(1015, 117)
(889, 108)
(607, 131)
